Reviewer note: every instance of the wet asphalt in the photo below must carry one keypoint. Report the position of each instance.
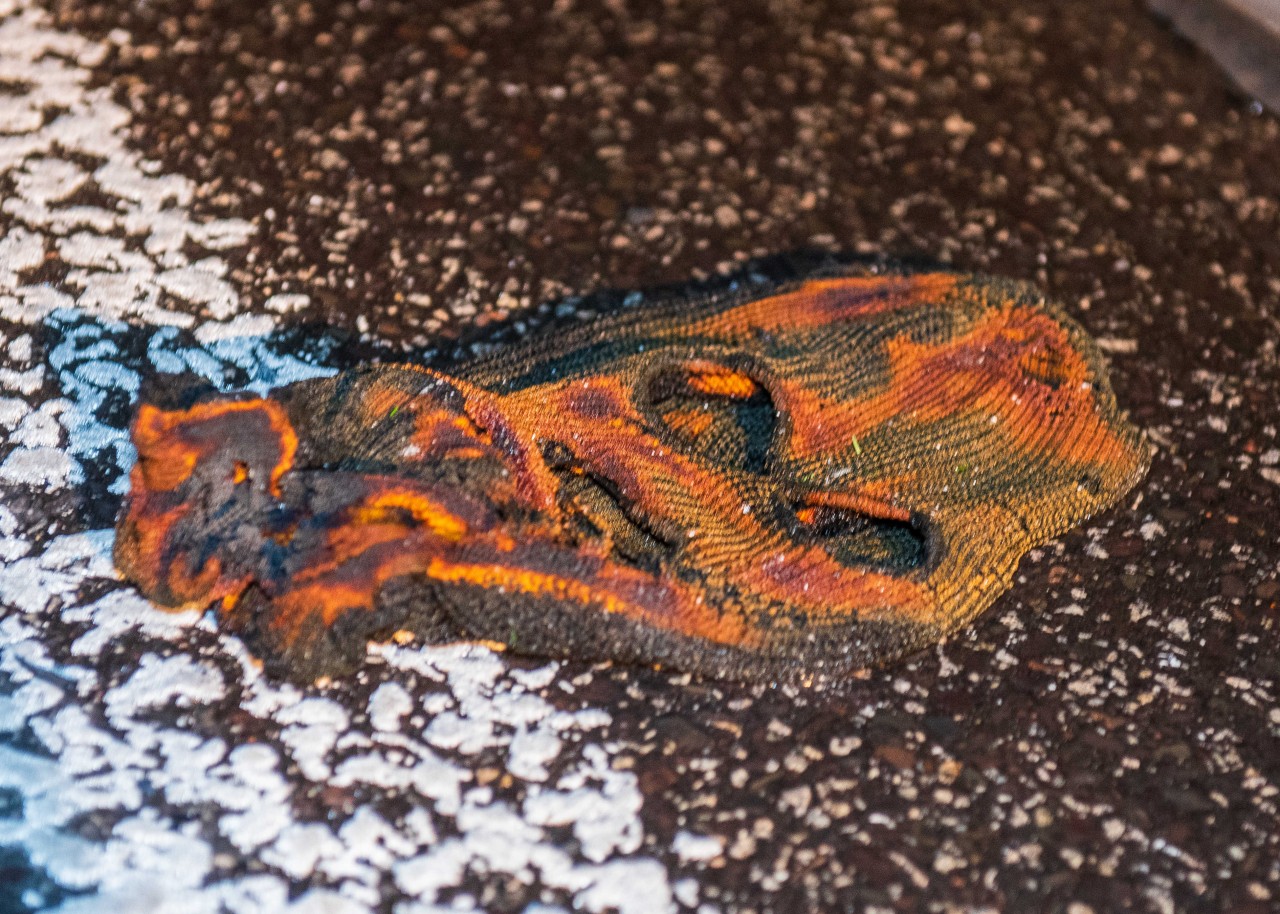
(1107, 736)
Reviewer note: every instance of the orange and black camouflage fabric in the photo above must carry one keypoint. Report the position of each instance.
(791, 483)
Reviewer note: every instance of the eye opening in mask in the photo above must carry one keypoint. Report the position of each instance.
(717, 411)
(863, 534)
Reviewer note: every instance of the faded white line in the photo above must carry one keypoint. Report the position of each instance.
(121, 749)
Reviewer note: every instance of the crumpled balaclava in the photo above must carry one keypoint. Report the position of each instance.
(792, 483)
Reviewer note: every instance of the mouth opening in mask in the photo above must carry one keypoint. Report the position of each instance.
(595, 509)
(865, 535)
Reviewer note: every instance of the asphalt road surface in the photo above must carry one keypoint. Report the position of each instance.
(261, 192)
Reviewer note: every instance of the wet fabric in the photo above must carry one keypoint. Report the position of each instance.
(791, 482)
